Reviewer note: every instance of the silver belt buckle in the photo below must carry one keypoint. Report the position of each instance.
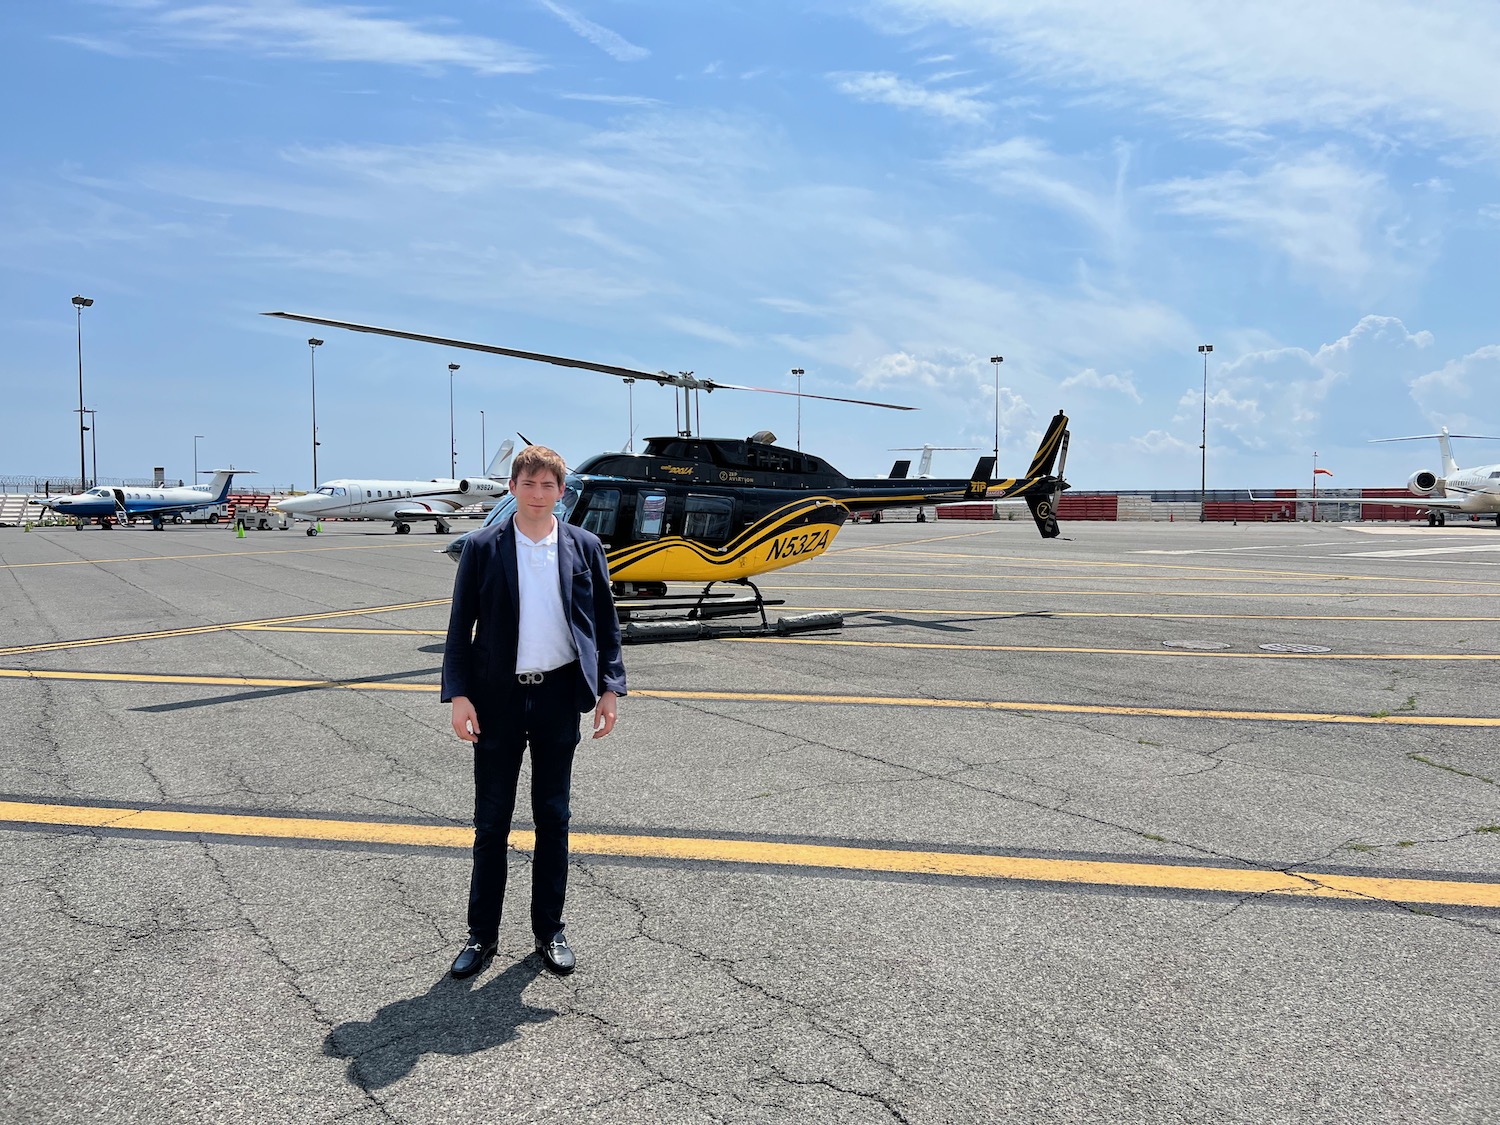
(529, 677)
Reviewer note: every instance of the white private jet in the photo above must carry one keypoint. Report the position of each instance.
(403, 502)
(1473, 491)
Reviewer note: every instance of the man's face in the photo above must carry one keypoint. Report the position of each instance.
(536, 493)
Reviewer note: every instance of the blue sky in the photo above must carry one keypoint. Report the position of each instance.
(884, 194)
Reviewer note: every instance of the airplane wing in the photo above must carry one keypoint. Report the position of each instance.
(1438, 503)
(418, 514)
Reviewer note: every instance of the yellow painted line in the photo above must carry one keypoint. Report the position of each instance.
(1042, 563)
(197, 630)
(793, 697)
(909, 543)
(873, 572)
(1078, 708)
(1032, 611)
(777, 854)
(206, 555)
(1480, 656)
(328, 629)
(1152, 593)
(1173, 652)
(208, 681)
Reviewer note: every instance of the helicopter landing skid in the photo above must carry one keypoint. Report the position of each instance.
(697, 624)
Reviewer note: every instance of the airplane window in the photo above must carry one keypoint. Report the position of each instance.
(650, 515)
(604, 506)
(708, 518)
(503, 510)
(1493, 476)
(326, 491)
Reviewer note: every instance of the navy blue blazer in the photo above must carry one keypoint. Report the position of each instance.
(479, 658)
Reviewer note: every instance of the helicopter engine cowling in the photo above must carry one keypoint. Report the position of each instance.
(1422, 483)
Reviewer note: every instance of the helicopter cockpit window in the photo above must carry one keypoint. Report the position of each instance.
(603, 508)
(650, 515)
(708, 518)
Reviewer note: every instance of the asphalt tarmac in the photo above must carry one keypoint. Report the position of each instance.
(1152, 823)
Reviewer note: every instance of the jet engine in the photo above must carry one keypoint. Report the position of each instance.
(1422, 483)
(481, 488)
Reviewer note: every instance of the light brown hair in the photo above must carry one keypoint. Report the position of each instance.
(538, 459)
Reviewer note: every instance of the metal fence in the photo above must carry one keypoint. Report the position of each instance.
(63, 485)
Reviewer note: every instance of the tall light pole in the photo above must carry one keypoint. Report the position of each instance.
(93, 430)
(797, 371)
(630, 414)
(452, 440)
(997, 360)
(312, 357)
(196, 439)
(484, 450)
(81, 303)
(1204, 350)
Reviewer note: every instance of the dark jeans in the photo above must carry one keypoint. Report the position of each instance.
(543, 716)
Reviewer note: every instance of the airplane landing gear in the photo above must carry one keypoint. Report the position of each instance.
(312, 531)
(403, 529)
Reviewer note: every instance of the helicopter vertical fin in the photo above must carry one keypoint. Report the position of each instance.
(1046, 453)
(900, 469)
(979, 479)
(1045, 514)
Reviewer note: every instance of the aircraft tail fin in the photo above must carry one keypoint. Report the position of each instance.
(900, 469)
(500, 464)
(1052, 441)
(218, 487)
(1044, 511)
(1450, 466)
(979, 479)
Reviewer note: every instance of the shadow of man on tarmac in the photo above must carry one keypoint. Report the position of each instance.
(449, 1019)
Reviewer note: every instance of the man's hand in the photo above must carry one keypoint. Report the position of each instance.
(466, 722)
(604, 714)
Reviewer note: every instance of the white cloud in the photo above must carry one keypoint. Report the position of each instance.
(1088, 377)
(1460, 394)
(1251, 67)
(1159, 441)
(613, 99)
(1330, 218)
(333, 33)
(612, 44)
(890, 89)
(1027, 168)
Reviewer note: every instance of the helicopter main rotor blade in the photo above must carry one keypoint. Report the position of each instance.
(682, 379)
(515, 353)
(710, 384)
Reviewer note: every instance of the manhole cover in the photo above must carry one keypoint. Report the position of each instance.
(1197, 646)
(1296, 648)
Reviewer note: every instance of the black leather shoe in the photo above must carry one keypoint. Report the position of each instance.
(557, 954)
(474, 956)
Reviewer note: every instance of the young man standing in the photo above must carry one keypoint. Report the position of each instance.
(533, 641)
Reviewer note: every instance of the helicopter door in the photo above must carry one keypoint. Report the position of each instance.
(708, 519)
(650, 514)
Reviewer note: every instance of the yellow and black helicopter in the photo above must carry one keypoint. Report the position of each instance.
(692, 509)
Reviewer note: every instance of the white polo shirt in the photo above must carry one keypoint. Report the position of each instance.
(545, 641)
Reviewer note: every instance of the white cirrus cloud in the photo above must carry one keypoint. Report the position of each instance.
(1252, 67)
(611, 43)
(1330, 218)
(890, 89)
(333, 33)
